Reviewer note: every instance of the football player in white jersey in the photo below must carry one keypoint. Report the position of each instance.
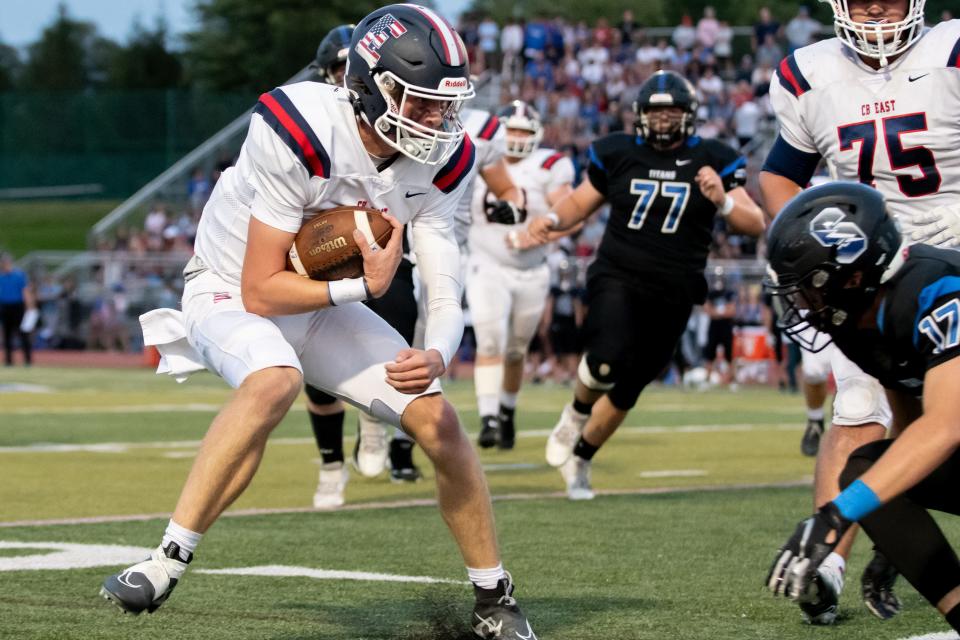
(398, 306)
(390, 139)
(880, 103)
(507, 287)
(490, 139)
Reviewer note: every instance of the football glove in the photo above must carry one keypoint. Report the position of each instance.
(795, 566)
(505, 212)
(939, 227)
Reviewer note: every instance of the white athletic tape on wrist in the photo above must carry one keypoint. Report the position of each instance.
(347, 290)
(727, 207)
(553, 218)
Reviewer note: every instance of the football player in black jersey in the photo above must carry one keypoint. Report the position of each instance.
(838, 264)
(665, 187)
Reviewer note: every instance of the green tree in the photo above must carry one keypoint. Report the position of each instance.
(63, 57)
(146, 62)
(10, 66)
(254, 45)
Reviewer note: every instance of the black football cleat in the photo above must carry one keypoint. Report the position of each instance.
(146, 585)
(506, 437)
(876, 586)
(489, 431)
(497, 616)
(402, 468)
(810, 443)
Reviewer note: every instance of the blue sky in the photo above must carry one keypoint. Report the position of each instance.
(22, 21)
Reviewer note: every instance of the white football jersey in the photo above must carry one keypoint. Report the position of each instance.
(897, 128)
(303, 155)
(539, 174)
(490, 140)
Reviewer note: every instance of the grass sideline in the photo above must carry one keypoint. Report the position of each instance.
(682, 565)
(49, 225)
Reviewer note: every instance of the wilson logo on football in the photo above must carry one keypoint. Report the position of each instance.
(377, 36)
(337, 243)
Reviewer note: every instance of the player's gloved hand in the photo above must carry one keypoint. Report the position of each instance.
(797, 561)
(939, 227)
(505, 212)
(379, 266)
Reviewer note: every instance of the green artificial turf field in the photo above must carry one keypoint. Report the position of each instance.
(696, 492)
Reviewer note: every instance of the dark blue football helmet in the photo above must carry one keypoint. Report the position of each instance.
(829, 251)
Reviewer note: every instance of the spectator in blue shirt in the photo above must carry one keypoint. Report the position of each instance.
(535, 40)
(15, 299)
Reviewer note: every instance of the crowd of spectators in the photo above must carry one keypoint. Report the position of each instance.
(581, 77)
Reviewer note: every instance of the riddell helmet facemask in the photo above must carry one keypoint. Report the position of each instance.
(892, 38)
(332, 52)
(829, 251)
(519, 115)
(403, 53)
(666, 89)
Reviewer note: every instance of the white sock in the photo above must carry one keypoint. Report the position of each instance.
(486, 578)
(187, 540)
(488, 405)
(487, 379)
(400, 434)
(508, 400)
(815, 414)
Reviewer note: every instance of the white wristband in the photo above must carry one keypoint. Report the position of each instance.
(348, 290)
(553, 218)
(728, 205)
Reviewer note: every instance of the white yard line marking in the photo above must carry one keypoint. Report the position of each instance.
(23, 387)
(283, 571)
(405, 504)
(673, 473)
(943, 635)
(131, 408)
(120, 447)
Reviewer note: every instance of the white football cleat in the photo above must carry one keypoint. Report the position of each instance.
(370, 452)
(564, 436)
(576, 473)
(146, 585)
(333, 481)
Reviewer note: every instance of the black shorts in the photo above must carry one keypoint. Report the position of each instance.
(634, 329)
(719, 333)
(397, 306)
(564, 335)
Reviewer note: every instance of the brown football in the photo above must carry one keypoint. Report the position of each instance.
(324, 249)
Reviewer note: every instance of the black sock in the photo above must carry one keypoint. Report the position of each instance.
(584, 449)
(582, 407)
(328, 432)
(953, 617)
